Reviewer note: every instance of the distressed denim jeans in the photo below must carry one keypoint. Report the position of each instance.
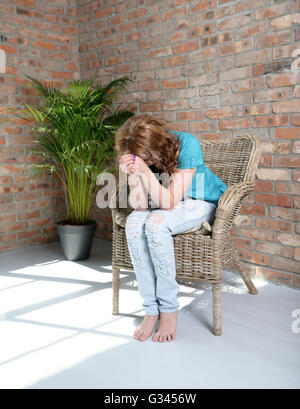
(150, 244)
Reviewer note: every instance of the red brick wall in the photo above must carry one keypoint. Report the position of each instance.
(40, 39)
(217, 69)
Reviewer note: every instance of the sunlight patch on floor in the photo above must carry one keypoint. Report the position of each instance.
(40, 352)
(84, 310)
(18, 300)
(53, 316)
(54, 326)
(66, 269)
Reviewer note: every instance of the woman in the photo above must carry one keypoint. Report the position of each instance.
(188, 195)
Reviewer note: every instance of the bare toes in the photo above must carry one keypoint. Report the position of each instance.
(138, 335)
(155, 337)
(143, 337)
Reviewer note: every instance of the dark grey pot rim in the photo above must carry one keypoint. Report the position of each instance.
(90, 223)
(76, 228)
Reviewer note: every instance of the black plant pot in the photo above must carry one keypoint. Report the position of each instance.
(76, 240)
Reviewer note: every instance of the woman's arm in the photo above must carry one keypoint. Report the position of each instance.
(167, 198)
(138, 197)
(164, 197)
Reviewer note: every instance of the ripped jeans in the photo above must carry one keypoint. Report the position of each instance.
(150, 244)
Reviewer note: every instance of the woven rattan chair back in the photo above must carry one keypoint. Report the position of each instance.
(231, 159)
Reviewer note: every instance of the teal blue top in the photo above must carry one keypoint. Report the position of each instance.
(205, 184)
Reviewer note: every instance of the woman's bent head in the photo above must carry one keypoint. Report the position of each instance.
(150, 139)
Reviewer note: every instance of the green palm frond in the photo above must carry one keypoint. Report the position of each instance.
(74, 136)
(117, 85)
(118, 118)
(44, 89)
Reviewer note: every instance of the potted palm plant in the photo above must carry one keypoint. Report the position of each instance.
(74, 132)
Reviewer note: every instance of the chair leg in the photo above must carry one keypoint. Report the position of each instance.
(244, 274)
(217, 308)
(115, 288)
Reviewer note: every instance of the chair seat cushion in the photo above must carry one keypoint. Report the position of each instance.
(203, 228)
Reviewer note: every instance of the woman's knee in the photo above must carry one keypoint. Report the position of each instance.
(155, 222)
(135, 221)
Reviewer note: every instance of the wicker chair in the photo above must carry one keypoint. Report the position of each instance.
(202, 257)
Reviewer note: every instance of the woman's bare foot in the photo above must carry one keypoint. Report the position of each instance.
(145, 329)
(167, 327)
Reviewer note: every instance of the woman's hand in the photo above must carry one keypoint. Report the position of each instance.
(131, 163)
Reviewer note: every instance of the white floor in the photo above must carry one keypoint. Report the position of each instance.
(57, 330)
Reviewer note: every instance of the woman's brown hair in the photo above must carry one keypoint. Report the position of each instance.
(149, 138)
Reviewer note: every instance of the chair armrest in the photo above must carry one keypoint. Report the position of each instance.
(233, 194)
(228, 207)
